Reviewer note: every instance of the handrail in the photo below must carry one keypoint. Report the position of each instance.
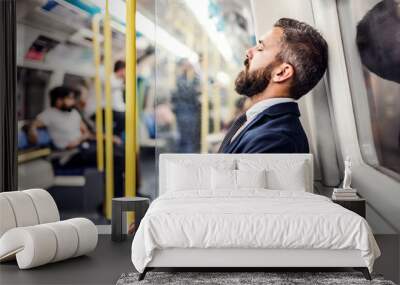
(130, 95)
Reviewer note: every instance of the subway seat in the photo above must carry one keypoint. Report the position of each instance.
(31, 231)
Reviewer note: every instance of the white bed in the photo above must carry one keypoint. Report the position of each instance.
(211, 224)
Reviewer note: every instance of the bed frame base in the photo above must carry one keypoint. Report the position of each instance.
(240, 259)
(143, 274)
(364, 271)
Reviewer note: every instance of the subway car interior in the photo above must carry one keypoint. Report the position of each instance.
(120, 126)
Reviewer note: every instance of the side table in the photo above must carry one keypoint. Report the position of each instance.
(356, 205)
(139, 205)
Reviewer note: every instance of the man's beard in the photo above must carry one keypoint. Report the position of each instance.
(66, 109)
(252, 83)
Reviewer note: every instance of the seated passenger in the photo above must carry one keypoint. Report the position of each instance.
(68, 131)
(62, 120)
(286, 64)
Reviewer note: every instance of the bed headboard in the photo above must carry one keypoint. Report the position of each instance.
(211, 159)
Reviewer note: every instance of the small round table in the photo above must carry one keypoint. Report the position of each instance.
(139, 205)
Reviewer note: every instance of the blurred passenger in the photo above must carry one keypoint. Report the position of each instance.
(118, 97)
(68, 131)
(378, 42)
(165, 117)
(62, 120)
(186, 106)
(117, 100)
(285, 65)
(165, 125)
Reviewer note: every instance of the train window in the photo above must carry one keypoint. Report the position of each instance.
(189, 53)
(371, 37)
(200, 49)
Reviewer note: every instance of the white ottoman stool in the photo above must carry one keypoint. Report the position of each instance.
(31, 232)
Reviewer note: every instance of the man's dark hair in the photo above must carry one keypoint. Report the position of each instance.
(306, 50)
(59, 93)
(119, 64)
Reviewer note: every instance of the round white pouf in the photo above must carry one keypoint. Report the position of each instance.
(67, 240)
(40, 244)
(7, 218)
(31, 232)
(87, 233)
(45, 205)
(23, 208)
(33, 246)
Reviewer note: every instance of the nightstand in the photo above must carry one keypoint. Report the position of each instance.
(357, 206)
(139, 205)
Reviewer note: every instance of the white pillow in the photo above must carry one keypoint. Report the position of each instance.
(184, 174)
(292, 179)
(251, 178)
(227, 179)
(223, 179)
(181, 177)
(281, 174)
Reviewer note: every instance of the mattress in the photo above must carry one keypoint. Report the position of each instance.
(252, 218)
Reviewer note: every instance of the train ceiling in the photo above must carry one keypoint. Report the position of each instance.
(70, 20)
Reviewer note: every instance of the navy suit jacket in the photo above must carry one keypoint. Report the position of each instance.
(277, 129)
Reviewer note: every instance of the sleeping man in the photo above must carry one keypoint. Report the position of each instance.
(285, 64)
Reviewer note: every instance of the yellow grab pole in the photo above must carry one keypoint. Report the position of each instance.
(217, 98)
(204, 97)
(97, 83)
(130, 113)
(109, 116)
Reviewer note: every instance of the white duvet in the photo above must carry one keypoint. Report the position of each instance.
(253, 218)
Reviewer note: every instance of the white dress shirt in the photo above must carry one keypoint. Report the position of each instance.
(63, 127)
(117, 94)
(259, 107)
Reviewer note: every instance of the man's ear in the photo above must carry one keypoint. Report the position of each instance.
(282, 72)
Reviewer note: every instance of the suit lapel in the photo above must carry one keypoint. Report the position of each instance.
(233, 144)
(273, 111)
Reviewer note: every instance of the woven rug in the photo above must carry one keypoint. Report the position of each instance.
(242, 278)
